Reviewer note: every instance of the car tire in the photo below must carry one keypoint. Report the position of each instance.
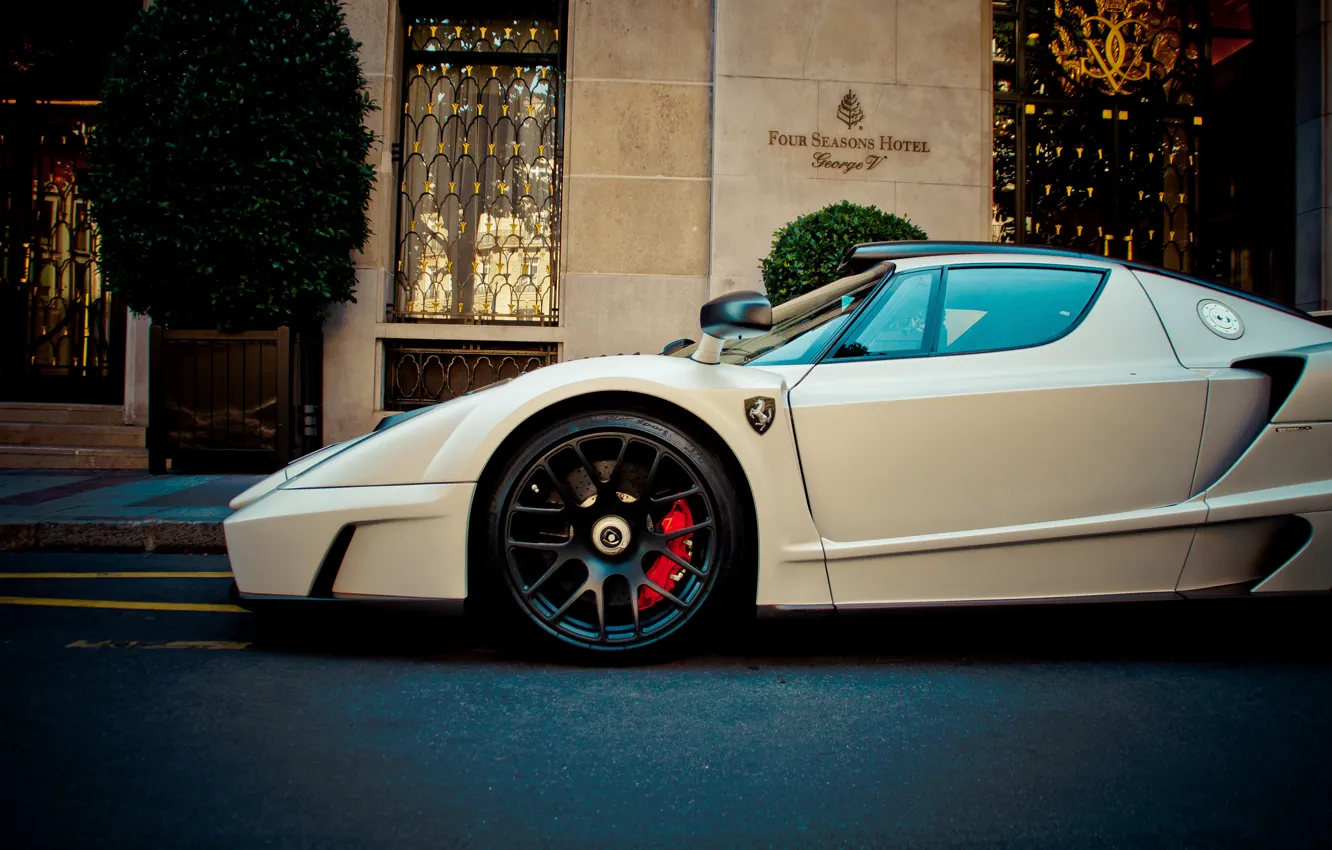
(614, 534)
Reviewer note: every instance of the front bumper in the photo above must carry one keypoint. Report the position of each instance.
(406, 541)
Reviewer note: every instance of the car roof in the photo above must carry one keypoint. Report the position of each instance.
(866, 254)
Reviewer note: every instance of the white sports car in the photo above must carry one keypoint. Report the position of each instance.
(947, 424)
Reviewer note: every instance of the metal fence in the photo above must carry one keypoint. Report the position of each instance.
(230, 402)
(418, 373)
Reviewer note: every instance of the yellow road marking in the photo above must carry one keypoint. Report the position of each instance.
(168, 644)
(126, 606)
(153, 574)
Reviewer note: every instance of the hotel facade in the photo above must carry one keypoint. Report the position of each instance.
(558, 180)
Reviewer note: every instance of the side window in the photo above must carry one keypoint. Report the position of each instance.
(898, 324)
(990, 309)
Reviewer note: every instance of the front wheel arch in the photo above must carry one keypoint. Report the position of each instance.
(744, 585)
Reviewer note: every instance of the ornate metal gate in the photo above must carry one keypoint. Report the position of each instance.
(63, 334)
(1099, 116)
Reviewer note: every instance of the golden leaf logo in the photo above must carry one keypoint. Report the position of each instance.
(849, 111)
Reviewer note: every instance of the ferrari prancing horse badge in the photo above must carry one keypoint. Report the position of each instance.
(760, 411)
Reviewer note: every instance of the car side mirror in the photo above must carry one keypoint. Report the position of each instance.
(731, 316)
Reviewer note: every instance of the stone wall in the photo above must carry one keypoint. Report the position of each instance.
(919, 73)
(353, 389)
(638, 169)
(637, 166)
(672, 186)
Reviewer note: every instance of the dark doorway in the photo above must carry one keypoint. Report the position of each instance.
(61, 332)
(1247, 190)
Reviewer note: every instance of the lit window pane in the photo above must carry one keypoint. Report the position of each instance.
(479, 181)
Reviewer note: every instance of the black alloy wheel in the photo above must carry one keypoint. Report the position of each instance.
(613, 531)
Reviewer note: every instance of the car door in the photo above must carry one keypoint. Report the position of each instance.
(974, 404)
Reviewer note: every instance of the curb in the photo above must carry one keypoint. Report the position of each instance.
(119, 536)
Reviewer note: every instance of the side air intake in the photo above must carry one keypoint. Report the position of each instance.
(1285, 373)
(1230, 558)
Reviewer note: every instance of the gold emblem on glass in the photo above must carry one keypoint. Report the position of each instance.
(1122, 44)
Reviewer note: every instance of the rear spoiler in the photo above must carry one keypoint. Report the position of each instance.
(865, 254)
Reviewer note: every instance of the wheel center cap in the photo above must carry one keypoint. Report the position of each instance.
(610, 535)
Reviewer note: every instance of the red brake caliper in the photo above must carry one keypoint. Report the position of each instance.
(661, 571)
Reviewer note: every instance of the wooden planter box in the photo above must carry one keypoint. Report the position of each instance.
(232, 402)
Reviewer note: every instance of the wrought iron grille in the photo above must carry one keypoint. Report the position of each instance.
(61, 321)
(1097, 123)
(418, 373)
(479, 184)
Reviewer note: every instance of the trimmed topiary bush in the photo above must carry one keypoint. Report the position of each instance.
(228, 178)
(806, 253)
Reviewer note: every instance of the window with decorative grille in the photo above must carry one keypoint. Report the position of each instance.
(479, 174)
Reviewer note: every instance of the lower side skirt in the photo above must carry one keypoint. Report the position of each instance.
(1231, 591)
(260, 602)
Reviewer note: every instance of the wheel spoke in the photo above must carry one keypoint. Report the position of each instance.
(568, 603)
(588, 467)
(549, 510)
(600, 593)
(665, 594)
(710, 554)
(619, 459)
(652, 472)
(677, 560)
(561, 486)
(633, 607)
(689, 529)
(657, 500)
(554, 568)
(539, 544)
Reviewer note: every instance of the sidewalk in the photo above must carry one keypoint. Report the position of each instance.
(124, 511)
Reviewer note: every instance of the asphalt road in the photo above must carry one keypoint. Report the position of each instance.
(1187, 724)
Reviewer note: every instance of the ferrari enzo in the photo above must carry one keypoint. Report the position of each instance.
(946, 424)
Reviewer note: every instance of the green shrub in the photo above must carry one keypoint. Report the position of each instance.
(806, 253)
(228, 164)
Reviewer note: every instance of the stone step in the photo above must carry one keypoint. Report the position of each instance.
(72, 457)
(62, 414)
(89, 436)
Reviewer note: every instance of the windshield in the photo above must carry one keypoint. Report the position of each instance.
(801, 326)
